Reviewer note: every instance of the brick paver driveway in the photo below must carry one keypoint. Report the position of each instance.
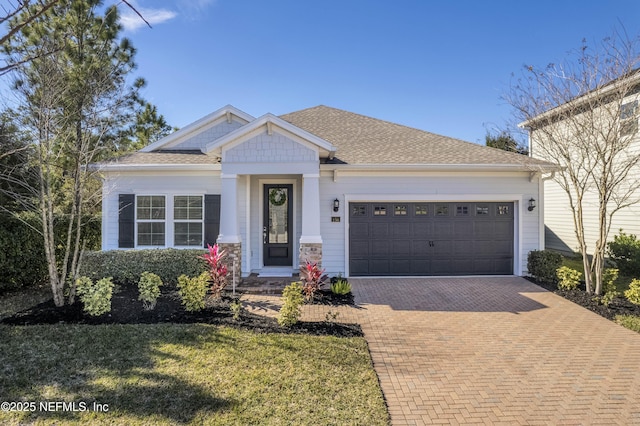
(496, 350)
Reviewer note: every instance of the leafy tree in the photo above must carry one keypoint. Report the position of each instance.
(505, 142)
(575, 115)
(74, 101)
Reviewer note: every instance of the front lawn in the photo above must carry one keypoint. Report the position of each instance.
(185, 373)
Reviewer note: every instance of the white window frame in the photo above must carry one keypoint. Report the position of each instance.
(163, 221)
(174, 221)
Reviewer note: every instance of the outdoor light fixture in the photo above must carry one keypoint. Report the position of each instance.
(336, 205)
(532, 204)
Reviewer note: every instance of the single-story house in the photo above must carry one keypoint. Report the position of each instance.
(363, 196)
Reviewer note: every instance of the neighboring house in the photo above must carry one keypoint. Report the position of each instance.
(365, 197)
(622, 113)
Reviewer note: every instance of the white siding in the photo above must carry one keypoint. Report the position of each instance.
(442, 187)
(265, 148)
(167, 184)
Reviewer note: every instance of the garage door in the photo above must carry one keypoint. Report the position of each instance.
(430, 238)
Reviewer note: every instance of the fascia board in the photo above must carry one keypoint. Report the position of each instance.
(108, 168)
(443, 167)
(197, 126)
(631, 80)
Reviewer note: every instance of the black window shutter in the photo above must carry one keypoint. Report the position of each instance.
(126, 220)
(211, 218)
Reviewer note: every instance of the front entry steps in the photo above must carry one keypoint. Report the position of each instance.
(255, 284)
(276, 271)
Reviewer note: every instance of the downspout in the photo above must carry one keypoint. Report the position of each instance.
(541, 237)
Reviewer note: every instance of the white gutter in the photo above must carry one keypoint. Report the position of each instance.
(154, 167)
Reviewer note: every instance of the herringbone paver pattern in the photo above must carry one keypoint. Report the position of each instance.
(490, 351)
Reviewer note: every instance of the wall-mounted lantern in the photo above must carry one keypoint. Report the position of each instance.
(336, 205)
(532, 204)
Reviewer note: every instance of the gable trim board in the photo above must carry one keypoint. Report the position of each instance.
(270, 150)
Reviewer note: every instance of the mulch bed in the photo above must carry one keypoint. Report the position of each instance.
(618, 306)
(127, 309)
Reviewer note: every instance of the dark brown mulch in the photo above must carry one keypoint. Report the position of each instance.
(127, 309)
(618, 306)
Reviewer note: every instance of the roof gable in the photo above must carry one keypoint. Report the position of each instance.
(228, 114)
(269, 123)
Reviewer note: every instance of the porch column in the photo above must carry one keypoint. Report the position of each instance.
(229, 238)
(310, 240)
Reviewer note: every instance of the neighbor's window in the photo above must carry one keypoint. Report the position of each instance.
(629, 118)
(187, 220)
(150, 218)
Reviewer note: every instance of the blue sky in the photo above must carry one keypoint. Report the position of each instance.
(439, 66)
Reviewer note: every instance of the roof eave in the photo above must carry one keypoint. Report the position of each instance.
(543, 168)
(153, 167)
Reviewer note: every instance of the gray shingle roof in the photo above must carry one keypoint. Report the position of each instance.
(365, 140)
(166, 157)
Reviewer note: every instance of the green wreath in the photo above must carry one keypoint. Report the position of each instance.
(277, 197)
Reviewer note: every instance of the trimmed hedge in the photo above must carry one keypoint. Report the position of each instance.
(542, 265)
(22, 259)
(126, 266)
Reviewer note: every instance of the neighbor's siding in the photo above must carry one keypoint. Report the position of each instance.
(558, 219)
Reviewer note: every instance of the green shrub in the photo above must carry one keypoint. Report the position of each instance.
(341, 287)
(568, 279)
(542, 265)
(631, 322)
(292, 302)
(22, 260)
(193, 291)
(96, 297)
(236, 308)
(126, 266)
(633, 294)
(609, 277)
(624, 250)
(149, 288)
(608, 297)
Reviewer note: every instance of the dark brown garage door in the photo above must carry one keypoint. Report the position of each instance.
(430, 238)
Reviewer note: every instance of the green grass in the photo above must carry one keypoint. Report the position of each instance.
(187, 374)
(18, 300)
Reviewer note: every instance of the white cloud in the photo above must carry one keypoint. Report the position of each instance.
(131, 21)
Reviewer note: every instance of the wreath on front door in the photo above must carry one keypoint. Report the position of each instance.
(277, 197)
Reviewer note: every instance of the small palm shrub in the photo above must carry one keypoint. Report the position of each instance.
(341, 287)
(293, 300)
(568, 279)
(96, 297)
(217, 270)
(633, 294)
(149, 288)
(312, 279)
(193, 291)
(236, 308)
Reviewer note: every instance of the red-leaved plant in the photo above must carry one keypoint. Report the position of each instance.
(312, 278)
(217, 269)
